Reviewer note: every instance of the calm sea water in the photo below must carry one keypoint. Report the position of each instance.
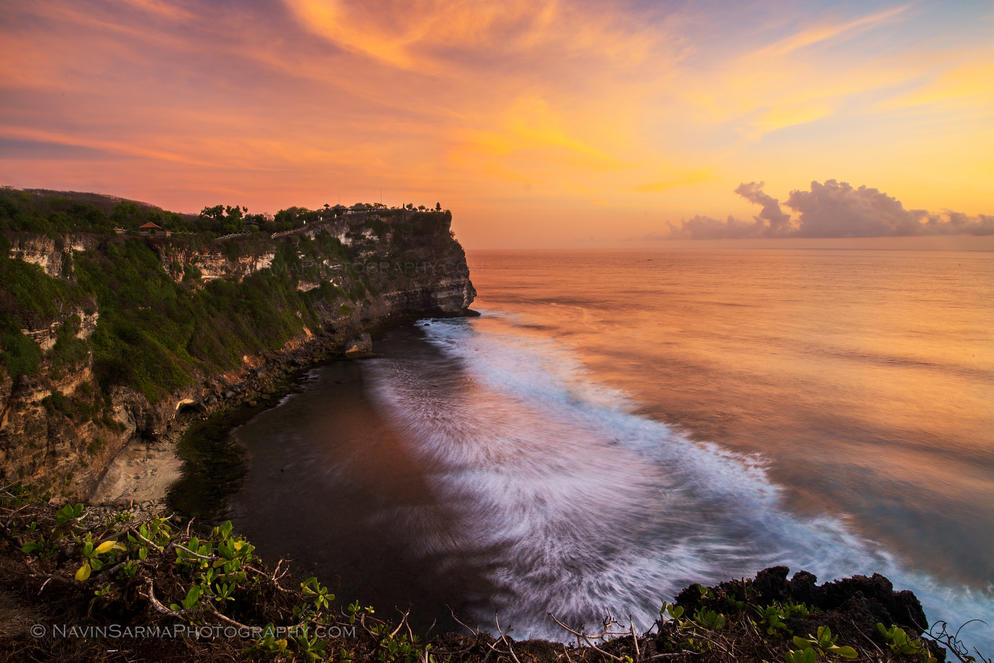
(617, 425)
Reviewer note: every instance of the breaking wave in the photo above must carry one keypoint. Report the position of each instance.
(584, 507)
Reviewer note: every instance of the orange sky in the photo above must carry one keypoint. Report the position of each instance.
(538, 123)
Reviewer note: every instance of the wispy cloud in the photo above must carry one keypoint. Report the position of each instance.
(781, 117)
(435, 36)
(968, 85)
(169, 10)
(582, 111)
(108, 146)
(825, 32)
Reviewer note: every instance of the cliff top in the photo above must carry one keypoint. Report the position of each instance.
(49, 212)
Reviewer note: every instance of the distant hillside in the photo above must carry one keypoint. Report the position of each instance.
(104, 203)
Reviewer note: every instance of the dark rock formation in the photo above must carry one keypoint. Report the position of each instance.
(851, 607)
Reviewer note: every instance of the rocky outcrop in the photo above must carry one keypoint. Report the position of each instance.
(47, 252)
(361, 346)
(213, 262)
(60, 427)
(851, 607)
(46, 337)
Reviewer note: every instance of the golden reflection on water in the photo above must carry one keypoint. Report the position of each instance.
(865, 377)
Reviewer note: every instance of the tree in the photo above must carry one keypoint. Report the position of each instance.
(224, 219)
(127, 214)
(235, 213)
(215, 213)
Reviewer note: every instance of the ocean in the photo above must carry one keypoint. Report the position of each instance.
(619, 424)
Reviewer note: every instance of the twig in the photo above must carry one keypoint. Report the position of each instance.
(474, 631)
(150, 595)
(271, 577)
(208, 558)
(403, 618)
(149, 542)
(670, 654)
(276, 572)
(580, 634)
(635, 639)
(231, 621)
(505, 640)
(865, 636)
(713, 642)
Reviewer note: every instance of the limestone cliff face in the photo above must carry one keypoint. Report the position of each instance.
(113, 368)
(49, 253)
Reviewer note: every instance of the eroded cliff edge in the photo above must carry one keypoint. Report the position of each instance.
(114, 334)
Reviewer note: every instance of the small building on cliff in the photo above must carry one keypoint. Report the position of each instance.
(152, 230)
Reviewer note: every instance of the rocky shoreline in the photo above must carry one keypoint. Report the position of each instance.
(145, 469)
(167, 589)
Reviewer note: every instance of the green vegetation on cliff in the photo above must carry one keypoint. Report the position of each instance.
(29, 298)
(105, 325)
(158, 332)
(155, 334)
(54, 213)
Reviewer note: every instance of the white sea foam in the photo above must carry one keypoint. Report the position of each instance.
(587, 507)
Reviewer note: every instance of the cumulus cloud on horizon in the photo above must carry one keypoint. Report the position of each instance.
(830, 209)
(772, 218)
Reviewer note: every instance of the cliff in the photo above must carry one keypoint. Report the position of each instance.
(115, 335)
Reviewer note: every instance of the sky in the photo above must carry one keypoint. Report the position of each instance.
(539, 123)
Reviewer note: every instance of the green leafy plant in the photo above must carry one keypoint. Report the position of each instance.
(670, 610)
(804, 655)
(92, 555)
(774, 616)
(710, 619)
(191, 599)
(900, 643)
(68, 513)
(322, 598)
(824, 642)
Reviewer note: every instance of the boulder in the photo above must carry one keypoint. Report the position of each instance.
(359, 346)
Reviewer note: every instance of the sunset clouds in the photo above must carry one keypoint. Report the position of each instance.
(538, 123)
(831, 209)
